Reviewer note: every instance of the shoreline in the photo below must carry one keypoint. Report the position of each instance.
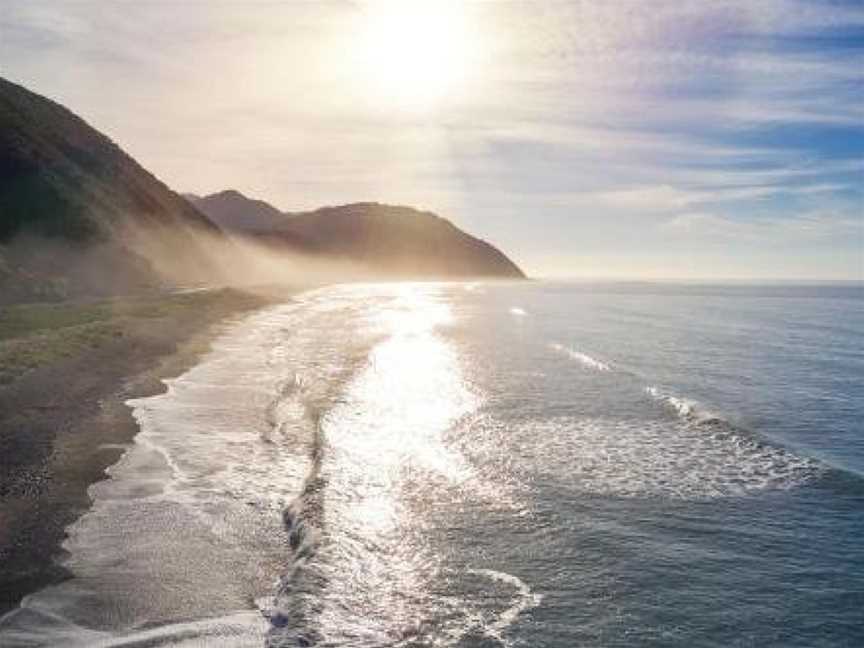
(64, 423)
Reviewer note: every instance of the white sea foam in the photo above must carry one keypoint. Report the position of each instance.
(680, 460)
(685, 408)
(385, 463)
(524, 599)
(203, 485)
(33, 626)
(583, 358)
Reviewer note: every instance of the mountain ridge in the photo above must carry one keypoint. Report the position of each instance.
(386, 238)
(81, 218)
(230, 209)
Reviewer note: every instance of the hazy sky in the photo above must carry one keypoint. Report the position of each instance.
(598, 138)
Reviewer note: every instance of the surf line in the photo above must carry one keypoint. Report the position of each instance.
(586, 360)
(524, 599)
(303, 519)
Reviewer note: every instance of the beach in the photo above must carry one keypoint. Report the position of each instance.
(468, 464)
(68, 370)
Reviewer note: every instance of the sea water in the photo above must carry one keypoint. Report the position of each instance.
(525, 464)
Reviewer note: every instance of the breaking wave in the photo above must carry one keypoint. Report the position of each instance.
(684, 460)
(583, 358)
(686, 408)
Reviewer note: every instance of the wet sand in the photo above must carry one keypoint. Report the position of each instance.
(64, 422)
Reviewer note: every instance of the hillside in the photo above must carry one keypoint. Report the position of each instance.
(387, 240)
(77, 214)
(232, 211)
(80, 218)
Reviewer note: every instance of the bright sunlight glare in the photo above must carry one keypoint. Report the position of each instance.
(417, 54)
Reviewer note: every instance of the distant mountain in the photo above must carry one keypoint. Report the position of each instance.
(387, 240)
(77, 214)
(80, 218)
(232, 211)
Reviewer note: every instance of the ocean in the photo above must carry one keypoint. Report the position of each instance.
(481, 465)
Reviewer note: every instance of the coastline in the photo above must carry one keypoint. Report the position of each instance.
(65, 421)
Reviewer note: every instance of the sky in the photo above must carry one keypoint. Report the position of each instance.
(598, 138)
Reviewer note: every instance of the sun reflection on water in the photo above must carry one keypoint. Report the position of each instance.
(396, 411)
(382, 441)
(393, 470)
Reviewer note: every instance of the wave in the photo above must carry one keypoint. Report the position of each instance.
(695, 417)
(291, 611)
(685, 408)
(524, 600)
(695, 414)
(33, 624)
(643, 458)
(217, 457)
(363, 570)
(585, 359)
(698, 455)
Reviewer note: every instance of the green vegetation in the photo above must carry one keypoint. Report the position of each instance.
(70, 202)
(38, 335)
(62, 179)
(17, 356)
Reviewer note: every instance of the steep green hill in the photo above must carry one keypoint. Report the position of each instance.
(77, 214)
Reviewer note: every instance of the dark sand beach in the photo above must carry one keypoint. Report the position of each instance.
(66, 371)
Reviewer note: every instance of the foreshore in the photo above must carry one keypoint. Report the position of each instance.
(66, 371)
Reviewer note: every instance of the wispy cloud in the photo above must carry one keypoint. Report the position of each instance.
(810, 226)
(667, 198)
(590, 122)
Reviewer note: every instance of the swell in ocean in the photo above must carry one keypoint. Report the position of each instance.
(699, 455)
(363, 570)
(280, 493)
(422, 465)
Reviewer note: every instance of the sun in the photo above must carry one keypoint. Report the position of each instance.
(417, 54)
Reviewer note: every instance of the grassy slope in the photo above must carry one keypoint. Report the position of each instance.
(36, 335)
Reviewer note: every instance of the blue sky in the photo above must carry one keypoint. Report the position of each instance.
(686, 139)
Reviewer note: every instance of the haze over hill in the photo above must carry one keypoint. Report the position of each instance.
(385, 239)
(80, 217)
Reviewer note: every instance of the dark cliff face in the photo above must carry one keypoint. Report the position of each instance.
(72, 204)
(388, 240)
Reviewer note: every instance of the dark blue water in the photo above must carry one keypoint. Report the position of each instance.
(696, 476)
(530, 464)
